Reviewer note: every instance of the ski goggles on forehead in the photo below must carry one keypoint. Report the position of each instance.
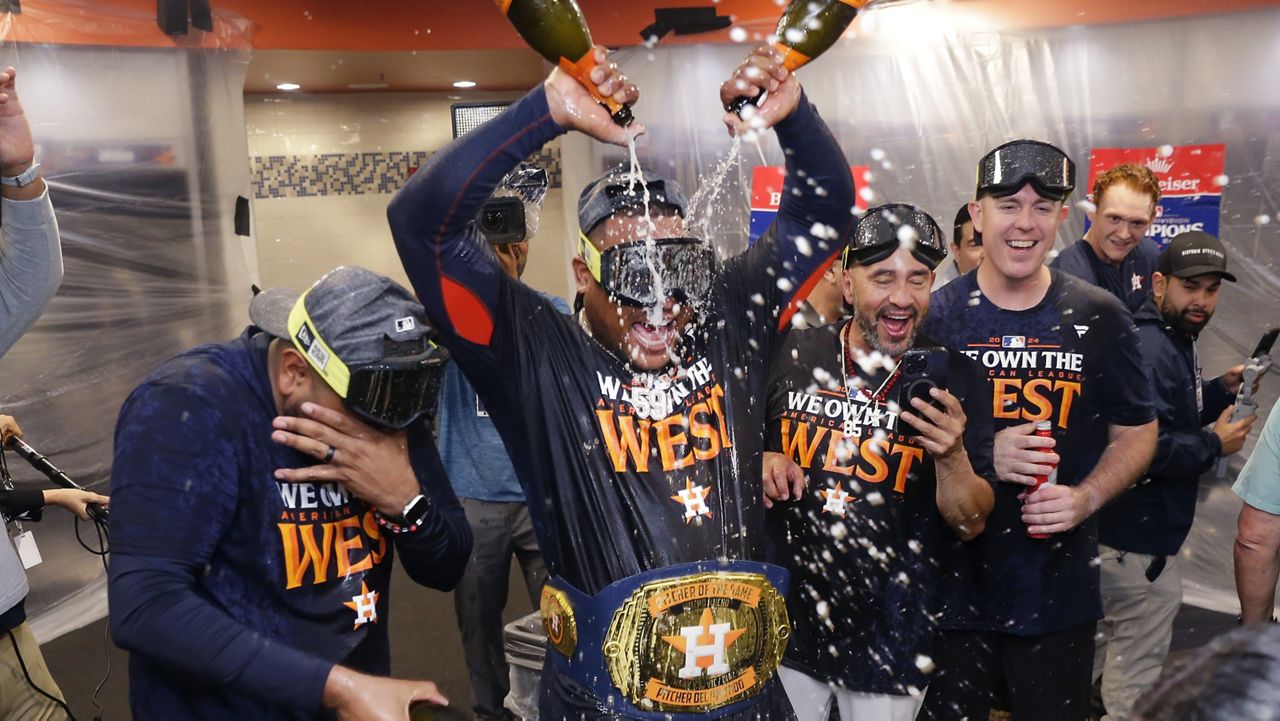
(392, 392)
(646, 274)
(1007, 168)
(883, 229)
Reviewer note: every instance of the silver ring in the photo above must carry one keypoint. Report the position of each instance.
(328, 457)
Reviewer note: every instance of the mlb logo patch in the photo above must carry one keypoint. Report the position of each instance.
(404, 325)
(1013, 341)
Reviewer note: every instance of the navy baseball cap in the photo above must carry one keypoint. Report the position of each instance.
(614, 191)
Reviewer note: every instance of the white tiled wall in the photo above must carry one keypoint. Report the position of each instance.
(300, 239)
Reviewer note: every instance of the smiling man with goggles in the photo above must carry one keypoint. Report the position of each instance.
(640, 273)
(883, 229)
(1006, 169)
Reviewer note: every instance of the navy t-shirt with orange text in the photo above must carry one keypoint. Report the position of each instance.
(864, 542)
(1072, 359)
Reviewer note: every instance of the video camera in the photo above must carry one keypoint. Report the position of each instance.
(503, 219)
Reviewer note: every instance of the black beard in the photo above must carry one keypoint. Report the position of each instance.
(1180, 323)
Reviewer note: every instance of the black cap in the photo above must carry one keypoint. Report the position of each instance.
(1193, 253)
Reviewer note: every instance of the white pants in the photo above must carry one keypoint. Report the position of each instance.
(811, 699)
(1133, 639)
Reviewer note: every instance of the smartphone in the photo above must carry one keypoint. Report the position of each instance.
(922, 370)
(1266, 342)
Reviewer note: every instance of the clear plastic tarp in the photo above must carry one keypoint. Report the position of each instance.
(145, 153)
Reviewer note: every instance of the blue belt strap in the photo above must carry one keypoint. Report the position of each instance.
(594, 615)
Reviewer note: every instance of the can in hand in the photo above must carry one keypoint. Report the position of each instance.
(1044, 429)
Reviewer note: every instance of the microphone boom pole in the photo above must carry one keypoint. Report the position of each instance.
(53, 473)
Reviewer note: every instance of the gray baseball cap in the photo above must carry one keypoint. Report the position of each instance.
(352, 313)
(612, 192)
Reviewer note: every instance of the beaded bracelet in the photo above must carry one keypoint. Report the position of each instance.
(392, 526)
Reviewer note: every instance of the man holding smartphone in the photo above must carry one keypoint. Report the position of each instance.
(881, 478)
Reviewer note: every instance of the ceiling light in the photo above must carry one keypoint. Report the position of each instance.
(465, 84)
(288, 86)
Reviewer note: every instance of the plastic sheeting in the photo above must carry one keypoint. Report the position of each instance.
(145, 152)
(921, 91)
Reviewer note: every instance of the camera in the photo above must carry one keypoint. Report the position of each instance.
(501, 220)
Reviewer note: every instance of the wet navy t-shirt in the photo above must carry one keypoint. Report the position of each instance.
(863, 542)
(1073, 359)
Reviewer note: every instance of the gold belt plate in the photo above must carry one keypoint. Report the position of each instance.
(558, 621)
(698, 642)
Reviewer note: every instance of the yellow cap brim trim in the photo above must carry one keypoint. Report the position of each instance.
(589, 254)
(302, 331)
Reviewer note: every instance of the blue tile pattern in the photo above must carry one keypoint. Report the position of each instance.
(302, 176)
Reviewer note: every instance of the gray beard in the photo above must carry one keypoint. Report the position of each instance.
(867, 327)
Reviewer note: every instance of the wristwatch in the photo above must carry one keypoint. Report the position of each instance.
(416, 511)
(23, 179)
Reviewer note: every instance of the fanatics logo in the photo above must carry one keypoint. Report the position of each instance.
(694, 498)
(705, 646)
(1013, 341)
(365, 605)
(1081, 330)
(836, 500)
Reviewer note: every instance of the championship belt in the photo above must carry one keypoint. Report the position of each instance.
(694, 638)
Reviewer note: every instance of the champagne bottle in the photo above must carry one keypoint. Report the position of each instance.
(556, 30)
(807, 29)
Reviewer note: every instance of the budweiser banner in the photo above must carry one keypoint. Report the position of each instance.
(1191, 182)
(766, 194)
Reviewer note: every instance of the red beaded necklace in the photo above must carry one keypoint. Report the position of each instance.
(847, 361)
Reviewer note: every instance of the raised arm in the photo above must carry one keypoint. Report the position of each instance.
(30, 252)
(817, 195)
(444, 257)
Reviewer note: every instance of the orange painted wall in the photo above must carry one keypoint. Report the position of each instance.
(477, 24)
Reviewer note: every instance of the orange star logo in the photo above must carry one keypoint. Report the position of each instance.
(694, 498)
(704, 646)
(836, 500)
(365, 605)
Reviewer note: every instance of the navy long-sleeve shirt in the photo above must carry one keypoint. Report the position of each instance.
(236, 593)
(1155, 516)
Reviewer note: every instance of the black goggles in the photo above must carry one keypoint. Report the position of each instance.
(395, 392)
(885, 228)
(646, 274)
(1012, 165)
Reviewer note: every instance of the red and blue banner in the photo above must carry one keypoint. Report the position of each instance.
(766, 194)
(1190, 179)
